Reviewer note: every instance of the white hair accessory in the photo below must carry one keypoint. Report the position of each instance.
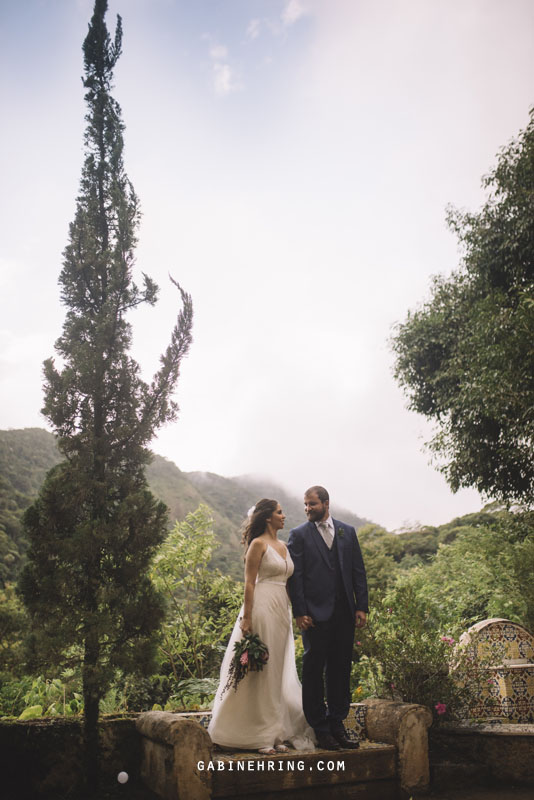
(251, 511)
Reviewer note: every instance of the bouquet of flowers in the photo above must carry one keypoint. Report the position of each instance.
(250, 655)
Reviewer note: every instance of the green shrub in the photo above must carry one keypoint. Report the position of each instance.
(409, 655)
(12, 692)
(201, 603)
(56, 697)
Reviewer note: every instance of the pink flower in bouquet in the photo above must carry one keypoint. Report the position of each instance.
(441, 708)
(448, 639)
(244, 658)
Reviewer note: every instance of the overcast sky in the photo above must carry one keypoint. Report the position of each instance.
(294, 159)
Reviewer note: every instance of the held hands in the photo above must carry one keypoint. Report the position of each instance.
(245, 623)
(306, 622)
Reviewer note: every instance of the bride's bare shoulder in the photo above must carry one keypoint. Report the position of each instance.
(259, 543)
(257, 547)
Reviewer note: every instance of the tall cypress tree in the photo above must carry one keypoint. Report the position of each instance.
(95, 525)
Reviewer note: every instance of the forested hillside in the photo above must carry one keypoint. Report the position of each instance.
(26, 455)
(236, 494)
(25, 458)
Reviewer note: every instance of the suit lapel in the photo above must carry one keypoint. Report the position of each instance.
(339, 540)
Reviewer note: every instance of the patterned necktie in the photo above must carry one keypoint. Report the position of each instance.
(326, 533)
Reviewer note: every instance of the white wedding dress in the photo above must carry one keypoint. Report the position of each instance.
(266, 707)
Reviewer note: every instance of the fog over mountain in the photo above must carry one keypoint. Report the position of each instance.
(26, 455)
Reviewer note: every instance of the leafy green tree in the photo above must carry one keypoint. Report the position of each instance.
(483, 573)
(465, 358)
(202, 604)
(380, 550)
(13, 625)
(418, 545)
(95, 526)
(487, 518)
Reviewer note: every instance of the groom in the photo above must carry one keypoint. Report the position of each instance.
(328, 591)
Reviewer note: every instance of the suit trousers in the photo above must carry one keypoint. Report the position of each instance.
(328, 656)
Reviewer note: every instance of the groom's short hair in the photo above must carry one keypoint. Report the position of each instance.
(320, 491)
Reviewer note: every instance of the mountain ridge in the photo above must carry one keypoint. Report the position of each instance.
(26, 455)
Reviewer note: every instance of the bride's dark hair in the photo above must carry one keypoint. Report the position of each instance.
(254, 526)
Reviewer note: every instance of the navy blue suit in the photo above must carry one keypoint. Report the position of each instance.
(329, 586)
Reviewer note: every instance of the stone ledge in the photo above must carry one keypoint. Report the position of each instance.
(497, 728)
(396, 755)
(355, 722)
(172, 747)
(406, 726)
(505, 754)
(44, 757)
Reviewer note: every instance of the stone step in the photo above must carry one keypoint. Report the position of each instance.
(179, 761)
(364, 774)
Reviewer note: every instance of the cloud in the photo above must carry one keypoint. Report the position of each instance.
(225, 81)
(293, 12)
(254, 27)
(219, 52)
(225, 77)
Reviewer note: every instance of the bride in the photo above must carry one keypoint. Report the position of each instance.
(266, 708)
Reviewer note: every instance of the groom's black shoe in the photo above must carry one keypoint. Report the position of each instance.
(344, 742)
(325, 741)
